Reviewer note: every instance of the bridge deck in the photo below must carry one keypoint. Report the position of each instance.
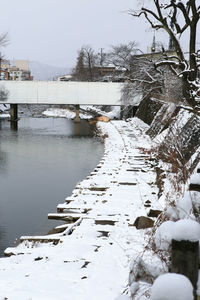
(56, 92)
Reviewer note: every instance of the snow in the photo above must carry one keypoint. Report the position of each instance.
(172, 286)
(195, 178)
(4, 116)
(3, 109)
(187, 230)
(101, 255)
(93, 261)
(66, 113)
(63, 113)
(163, 235)
(122, 297)
(113, 113)
(185, 206)
(198, 284)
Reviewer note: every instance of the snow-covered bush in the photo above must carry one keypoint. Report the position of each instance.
(184, 207)
(163, 235)
(195, 178)
(172, 286)
(140, 270)
(176, 156)
(187, 230)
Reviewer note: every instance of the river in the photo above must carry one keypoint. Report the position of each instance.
(40, 164)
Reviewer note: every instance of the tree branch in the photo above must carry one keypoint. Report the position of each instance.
(167, 63)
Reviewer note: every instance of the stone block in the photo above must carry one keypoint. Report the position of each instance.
(143, 222)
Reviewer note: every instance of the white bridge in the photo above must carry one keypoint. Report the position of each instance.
(57, 92)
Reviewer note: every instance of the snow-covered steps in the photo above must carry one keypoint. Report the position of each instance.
(65, 207)
(127, 183)
(33, 241)
(93, 252)
(55, 239)
(67, 217)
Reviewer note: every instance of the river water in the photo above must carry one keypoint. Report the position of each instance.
(40, 164)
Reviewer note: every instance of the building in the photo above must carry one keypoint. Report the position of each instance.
(109, 73)
(65, 78)
(4, 75)
(156, 56)
(18, 74)
(19, 70)
(5, 64)
(21, 64)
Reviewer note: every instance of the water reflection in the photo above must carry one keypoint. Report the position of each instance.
(51, 126)
(82, 128)
(14, 125)
(3, 160)
(40, 165)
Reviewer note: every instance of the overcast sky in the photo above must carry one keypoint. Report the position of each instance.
(51, 31)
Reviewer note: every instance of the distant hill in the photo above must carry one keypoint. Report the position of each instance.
(42, 71)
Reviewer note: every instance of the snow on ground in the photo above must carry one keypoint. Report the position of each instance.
(66, 113)
(113, 113)
(3, 111)
(63, 113)
(90, 259)
(4, 116)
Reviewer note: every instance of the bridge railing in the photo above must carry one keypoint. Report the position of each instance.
(56, 92)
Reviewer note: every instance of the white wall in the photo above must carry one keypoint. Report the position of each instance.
(55, 92)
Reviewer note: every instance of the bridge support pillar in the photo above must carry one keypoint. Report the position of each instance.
(77, 118)
(122, 108)
(13, 112)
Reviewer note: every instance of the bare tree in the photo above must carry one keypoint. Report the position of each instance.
(86, 62)
(146, 80)
(184, 16)
(4, 39)
(90, 59)
(121, 56)
(3, 42)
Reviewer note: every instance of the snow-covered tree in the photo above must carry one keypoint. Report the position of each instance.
(147, 80)
(178, 17)
(3, 43)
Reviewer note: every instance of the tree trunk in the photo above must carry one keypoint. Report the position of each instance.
(193, 63)
(188, 93)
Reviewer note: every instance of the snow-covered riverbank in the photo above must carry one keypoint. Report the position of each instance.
(90, 258)
(94, 251)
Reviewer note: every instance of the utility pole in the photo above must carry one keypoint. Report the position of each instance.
(153, 47)
(101, 61)
(0, 65)
(101, 56)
